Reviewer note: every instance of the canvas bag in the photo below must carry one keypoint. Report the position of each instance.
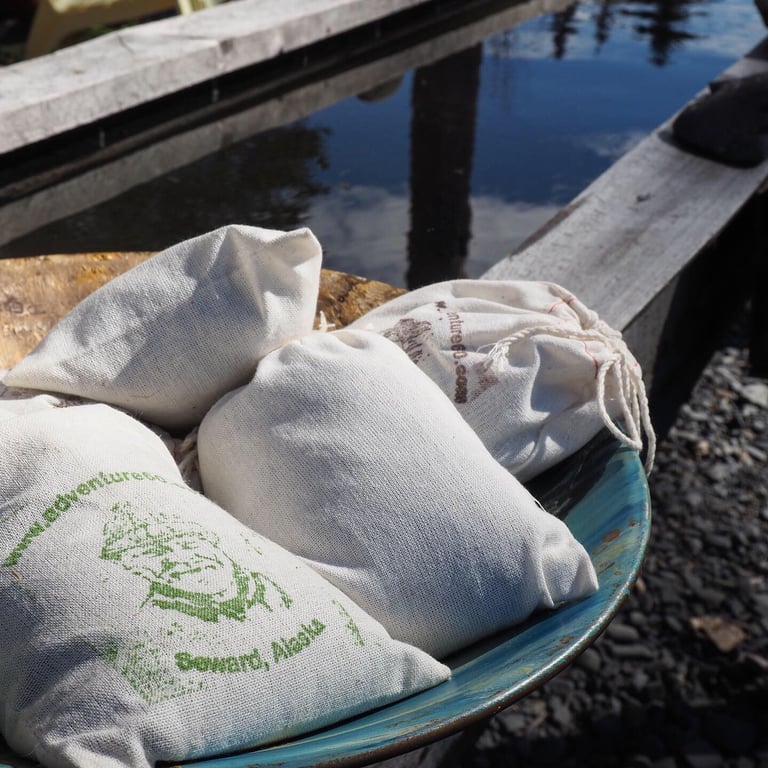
(166, 339)
(18, 402)
(143, 623)
(534, 372)
(346, 454)
(14, 402)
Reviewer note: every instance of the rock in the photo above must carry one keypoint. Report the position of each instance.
(560, 713)
(638, 619)
(673, 623)
(694, 414)
(513, 721)
(720, 541)
(713, 598)
(638, 761)
(590, 660)
(757, 453)
(698, 753)
(732, 735)
(639, 679)
(725, 635)
(548, 751)
(634, 651)
(756, 393)
(622, 633)
(718, 472)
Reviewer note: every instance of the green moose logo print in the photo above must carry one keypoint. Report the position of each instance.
(185, 566)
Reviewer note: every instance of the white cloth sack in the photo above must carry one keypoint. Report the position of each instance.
(534, 372)
(15, 402)
(166, 339)
(19, 402)
(346, 454)
(142, 623)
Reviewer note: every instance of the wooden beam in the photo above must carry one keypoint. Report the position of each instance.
(78, 85)
(628, 245)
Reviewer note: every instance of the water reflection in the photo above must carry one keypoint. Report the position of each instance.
(444, 112)
(664, 23)
(563, 27)
(269, 180)
(435, 172)
(279, 178)
(364, 230)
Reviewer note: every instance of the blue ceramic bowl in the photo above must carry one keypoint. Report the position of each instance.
(602, 494)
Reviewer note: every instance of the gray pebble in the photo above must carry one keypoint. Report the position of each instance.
(622, 633)
(719, 472)
(634, 651)
(756, 393)
(698, 753)
(590, 660)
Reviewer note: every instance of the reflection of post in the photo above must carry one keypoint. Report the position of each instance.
(664, 22)
(563, 27)
(444, 102)
(603, 23)
(268, 181)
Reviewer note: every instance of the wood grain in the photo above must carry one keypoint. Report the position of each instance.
(35, 292)
(75, 86)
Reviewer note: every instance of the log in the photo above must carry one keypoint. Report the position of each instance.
(36, 292)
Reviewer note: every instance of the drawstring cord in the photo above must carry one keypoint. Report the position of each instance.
(323, 324)
(187, 461)
(630, 389)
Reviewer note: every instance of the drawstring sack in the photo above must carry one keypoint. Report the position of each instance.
(535, 372)
(15, 403)
(166, 339)
(142, 623)
(343, 452)
(20, 402)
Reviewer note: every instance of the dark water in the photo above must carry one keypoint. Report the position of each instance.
(443, 171)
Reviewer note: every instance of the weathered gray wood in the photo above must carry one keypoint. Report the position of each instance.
(75, 86)
(93, 187)
(662, 247)
(754, 63)
(623, 240)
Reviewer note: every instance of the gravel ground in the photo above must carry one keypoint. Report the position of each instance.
(680, 678)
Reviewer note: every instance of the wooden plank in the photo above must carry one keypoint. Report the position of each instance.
(90, 188)
(662, 247)
(623, 240)
(75, 86)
